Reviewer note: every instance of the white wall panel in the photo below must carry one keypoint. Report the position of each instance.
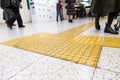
(43, 10)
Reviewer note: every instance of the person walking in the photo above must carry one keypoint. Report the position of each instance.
(59, 9)
(102, 8)
(12, 9)
(70, 9)
(5, 5)
(17, 12)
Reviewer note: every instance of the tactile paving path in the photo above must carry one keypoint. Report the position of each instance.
(111, 42)
(68, 45)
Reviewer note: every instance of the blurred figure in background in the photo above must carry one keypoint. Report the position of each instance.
(82, 11)
(70, 9)
(59, 11)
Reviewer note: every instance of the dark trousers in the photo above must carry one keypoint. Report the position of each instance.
(13, 14)
(17, 16)
(59, 14)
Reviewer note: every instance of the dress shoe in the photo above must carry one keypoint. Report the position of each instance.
(21, 26)
(108, 29)
(97, 26)
(71, 21)
(8, 25)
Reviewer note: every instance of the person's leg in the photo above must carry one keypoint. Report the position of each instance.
(97, 25)
(62, 15)
(20, 22)
(61, 18)
(70, 18)
(19, 18)
(57, 16)
(108, 28)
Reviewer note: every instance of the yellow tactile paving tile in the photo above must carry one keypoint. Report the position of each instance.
(111, 42)
(68, 45)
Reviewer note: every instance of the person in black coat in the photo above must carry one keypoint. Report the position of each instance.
(13, 12)
(70, 9)
(17, 13)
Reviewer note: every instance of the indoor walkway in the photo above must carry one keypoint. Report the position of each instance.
(59, 51)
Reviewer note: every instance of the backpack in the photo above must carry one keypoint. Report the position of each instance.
(15, 3)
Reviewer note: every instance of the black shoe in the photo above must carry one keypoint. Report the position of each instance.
(71, 21)
(8, 25)
(21, 26)
(97, 26)
(108, 29)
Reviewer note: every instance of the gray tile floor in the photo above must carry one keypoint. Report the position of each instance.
(17, 64)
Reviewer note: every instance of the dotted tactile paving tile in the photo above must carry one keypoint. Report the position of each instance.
(111, 42)
(68, 45)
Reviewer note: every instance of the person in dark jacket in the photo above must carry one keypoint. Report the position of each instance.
(13, 12)
(70, 9)
(17, 12)
(104, 7)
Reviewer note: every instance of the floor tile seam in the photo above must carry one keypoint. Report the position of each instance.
(112, 46)
(85, 64)
(24, 68)
(107, 70)
(104, 70)
(98, 56)
(93, 73)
